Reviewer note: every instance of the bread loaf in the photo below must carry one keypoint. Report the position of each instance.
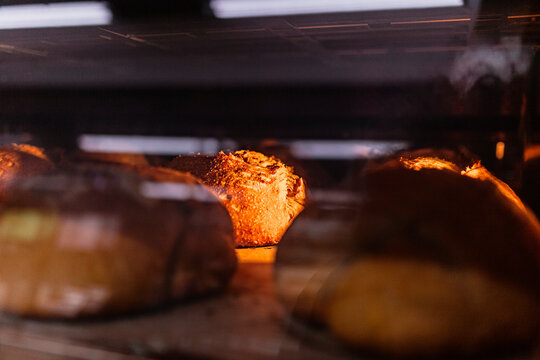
(93, 241)
(261, 194)
(427, 258)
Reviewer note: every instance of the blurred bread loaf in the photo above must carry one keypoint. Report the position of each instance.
(432, 258)
(92, 241)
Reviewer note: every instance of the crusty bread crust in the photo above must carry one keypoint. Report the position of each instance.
(261, 194)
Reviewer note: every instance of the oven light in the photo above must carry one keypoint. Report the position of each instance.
(154, 145)
(84, 13)
(176, 191)
(253, 8)
(499, 150)
(345, 149)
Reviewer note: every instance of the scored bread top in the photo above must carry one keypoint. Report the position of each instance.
(262, 195)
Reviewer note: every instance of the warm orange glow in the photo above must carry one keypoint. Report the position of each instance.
(522, 16)
(262, 255)
(261, 194)
(499, 150)
(329, 26)
(420, 163)
(32, 150)
(531, 152)
(477, 171)
(429, 21)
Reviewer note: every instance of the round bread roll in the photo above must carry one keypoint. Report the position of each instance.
(261, 194)
(92, 241)
(426, 258)
(21, 160)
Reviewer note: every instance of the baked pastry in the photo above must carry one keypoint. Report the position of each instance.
(19, 160)
(426, 258)
(92, 241)
(262, 195)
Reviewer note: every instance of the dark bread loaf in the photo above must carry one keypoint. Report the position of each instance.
(204, 257)
(428, 257)
(89, 241)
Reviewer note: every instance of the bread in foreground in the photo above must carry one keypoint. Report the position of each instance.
(93, 241)
(432, 258)
(261, 194)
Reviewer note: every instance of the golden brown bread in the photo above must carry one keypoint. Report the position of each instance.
(434, 258)
(89, 241)
(262, 195)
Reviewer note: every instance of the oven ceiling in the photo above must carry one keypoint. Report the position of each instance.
(363, 73)
(376, 47)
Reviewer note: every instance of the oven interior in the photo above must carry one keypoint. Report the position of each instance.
(327, 93)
